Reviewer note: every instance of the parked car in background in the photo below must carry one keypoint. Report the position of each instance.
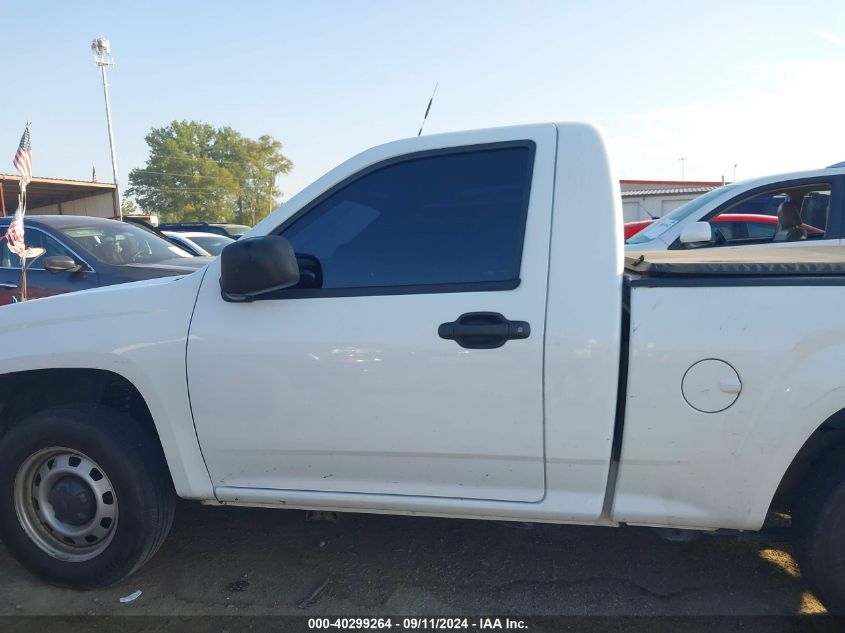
(732, 227)
(197, 243)
(87, 252)
(807, 206)
(234, 231)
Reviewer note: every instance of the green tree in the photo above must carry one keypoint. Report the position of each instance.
(197, 172)
(128, 206)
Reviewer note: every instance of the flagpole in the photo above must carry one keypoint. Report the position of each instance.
(22, 208)
(23, 278)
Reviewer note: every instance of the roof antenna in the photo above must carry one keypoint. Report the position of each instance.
(427, 110)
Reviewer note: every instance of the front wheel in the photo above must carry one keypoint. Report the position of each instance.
(85, 499)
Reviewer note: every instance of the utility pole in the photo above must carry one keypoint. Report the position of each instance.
(102, 56)
(272, 186)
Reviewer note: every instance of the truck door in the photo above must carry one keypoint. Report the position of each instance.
(409, 361)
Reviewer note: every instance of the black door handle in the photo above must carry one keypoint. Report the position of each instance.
(483, 330)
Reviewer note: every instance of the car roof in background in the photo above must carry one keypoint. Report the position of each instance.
(200, 224)
(751, 183)
(67, 221)
(190, 234)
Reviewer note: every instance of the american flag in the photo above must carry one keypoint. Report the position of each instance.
(23, 159)
(14, 236)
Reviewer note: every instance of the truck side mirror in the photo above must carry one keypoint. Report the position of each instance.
(696, 233)
(60, 264)
(256, 266)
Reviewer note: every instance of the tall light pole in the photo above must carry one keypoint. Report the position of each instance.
(683, 160)
(102, 56)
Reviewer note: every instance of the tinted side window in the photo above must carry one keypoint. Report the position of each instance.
(761, 230)
(813, 202)
(762, 204)
(36, 239)
(730, 230)
(815, 208)
(444, 219)
(7, 258)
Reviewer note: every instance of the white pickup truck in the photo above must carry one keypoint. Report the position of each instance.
(429, 330)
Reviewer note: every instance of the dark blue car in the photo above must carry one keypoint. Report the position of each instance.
(86, 252)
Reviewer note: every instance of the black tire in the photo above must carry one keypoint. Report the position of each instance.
(818, 525)
(134, 468)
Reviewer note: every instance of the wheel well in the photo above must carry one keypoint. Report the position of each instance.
(25, 393)
(829, 435)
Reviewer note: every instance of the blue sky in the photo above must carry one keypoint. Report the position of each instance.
(759, 83)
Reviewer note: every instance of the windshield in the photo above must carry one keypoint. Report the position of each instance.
(120, 243)
(681, 213)
(212, 243)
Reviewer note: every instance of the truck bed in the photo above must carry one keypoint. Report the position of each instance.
(754, 264)
(762, 327)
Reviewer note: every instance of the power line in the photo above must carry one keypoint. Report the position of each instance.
(209, 189)
(176, 174)
(214, 160)
(172, 173)
(169, 173)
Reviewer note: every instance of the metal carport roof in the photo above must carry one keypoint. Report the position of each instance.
(41, 192)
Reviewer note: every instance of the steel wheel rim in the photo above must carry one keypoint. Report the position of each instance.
(51, 530)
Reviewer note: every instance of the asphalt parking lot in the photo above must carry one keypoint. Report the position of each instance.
(226, 561)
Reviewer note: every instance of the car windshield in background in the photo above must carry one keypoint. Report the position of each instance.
(121, 244)
(212, 243)
(671, 219)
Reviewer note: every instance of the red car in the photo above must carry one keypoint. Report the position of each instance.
(733, 226)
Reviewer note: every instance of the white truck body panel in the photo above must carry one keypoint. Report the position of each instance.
(136, 330)
(685, 468)
(357, 394)
(583, 329)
